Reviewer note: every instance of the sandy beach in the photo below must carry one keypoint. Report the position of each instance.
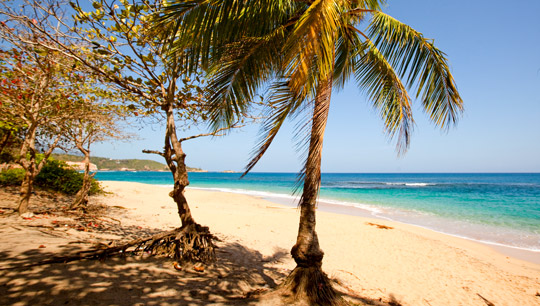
(373, 260)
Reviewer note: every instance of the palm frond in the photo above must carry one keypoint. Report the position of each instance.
(283, 103)
(347, 46)
(310, 46)
(242, 70)
(202, 27)
(416, 58)
(361, 6)
(381, 83)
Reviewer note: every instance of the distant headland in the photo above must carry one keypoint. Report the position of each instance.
(110, 164)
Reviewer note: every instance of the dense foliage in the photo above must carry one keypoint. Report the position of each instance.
(55, 176)
(11, 177)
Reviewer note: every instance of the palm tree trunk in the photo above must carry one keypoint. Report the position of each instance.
(306, 252)
(307, 282)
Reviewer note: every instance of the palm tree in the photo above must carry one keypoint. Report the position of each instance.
(305, 50)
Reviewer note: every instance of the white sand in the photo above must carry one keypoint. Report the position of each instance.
(415, 265)
(408, 264)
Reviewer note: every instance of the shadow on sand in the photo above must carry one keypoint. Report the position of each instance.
(237, 278)
(240, 276)
(136, 280)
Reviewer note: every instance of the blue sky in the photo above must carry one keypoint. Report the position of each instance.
(494, 53)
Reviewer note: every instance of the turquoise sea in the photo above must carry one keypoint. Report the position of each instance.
(499, 209)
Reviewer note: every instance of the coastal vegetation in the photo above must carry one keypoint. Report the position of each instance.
(42, 93)
(119, 49)
(135, 64)
(68, 81)
(307, 50)
(49, 101)
(55, 176)
(100, 122)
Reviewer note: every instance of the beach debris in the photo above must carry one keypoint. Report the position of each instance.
(379, 225)
(41, 246)
(177, 266)
(198, 267)
(27, 216)
(537, 294)
(486, 300)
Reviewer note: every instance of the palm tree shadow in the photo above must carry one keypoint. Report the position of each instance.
(137, 280)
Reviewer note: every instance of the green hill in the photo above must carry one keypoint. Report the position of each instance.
(104, 163)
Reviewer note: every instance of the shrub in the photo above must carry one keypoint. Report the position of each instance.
(56, 175)
(11, 177)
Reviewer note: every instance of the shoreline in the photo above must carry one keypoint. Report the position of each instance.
(399, 260)
(373, 260)
(324, 205)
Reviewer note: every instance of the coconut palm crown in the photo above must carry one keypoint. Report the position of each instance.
(301, 51)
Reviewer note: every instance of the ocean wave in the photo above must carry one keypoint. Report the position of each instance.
(447, 185)
(411, 184)
(374, 185)
(256, 193)
(467, 230)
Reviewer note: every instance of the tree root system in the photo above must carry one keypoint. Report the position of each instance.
(308, 286)
(186, 245)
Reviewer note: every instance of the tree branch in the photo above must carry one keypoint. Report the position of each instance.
(154, 152)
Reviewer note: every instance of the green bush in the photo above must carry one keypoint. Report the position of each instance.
(11, 177)
(55, 175)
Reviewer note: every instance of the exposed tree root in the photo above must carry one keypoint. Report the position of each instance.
(194, 243)
(189, 244)
(308, 286)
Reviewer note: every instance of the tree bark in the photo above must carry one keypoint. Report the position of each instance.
(181, 202)
(26, 187)
(27, 159)
(307, 252)
(5, 141)
(81, 198)
(175, 157)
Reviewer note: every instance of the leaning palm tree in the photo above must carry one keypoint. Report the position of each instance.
(301, 51)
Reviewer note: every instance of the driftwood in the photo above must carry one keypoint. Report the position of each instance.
(379, 225)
